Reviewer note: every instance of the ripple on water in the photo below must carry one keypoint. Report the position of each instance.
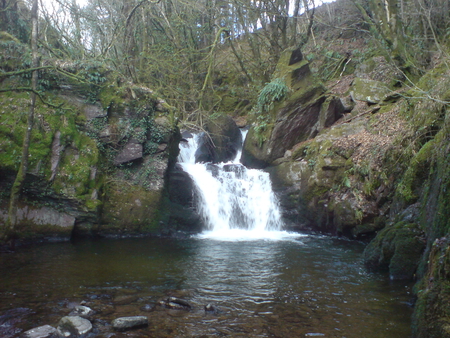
(298, 286)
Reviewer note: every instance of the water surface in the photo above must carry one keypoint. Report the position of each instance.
(296, 287)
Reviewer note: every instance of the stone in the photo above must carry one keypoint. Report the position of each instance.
(45, 331)
(174, 303)
(56, 154)
(73, 326)
(370, 91)
(43, 217)
(82, 311)
(221, 142)
(94, 111)
(128, 323)
(130, 152)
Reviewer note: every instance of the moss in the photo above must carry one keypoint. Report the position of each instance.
(397, 249)
(130, 208)
(417, 172)
(431, 317)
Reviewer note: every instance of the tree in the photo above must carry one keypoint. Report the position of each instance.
(9, 233)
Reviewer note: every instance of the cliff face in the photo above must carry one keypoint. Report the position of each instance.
(101, 149)
(368, 158)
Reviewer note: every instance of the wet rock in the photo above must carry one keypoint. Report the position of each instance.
(186, 134)
(238, 169)
(174, 303)
(221, 142)
(397, 248)
(45, 331)
(9, 320)
(82, 311)
(73, 326)
(128, 323)
(213, 169)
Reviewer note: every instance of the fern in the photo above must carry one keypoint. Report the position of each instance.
(273, 92)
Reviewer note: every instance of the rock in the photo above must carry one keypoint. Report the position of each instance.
(43, 217)
(93, 111)
(82, 311)
(367, 90)
(56, 154)
(213, 169)
(10, 319)
(174, 303)
(130, 152)
(73, 326)
(186, 134)
(221, 142)
(179, 301)
(128, 323)
(45, 331)
(238, 169)
(397, 248)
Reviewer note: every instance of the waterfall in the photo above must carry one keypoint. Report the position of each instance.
(233, 201)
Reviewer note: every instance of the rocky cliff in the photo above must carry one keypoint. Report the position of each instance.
(101, 149)
(366, 156)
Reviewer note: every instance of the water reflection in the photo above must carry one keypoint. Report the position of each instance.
(264, 288)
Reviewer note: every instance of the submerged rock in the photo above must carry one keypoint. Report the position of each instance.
(128, 323)
(174, 303)
(45, 331)
(212, 309)
(72, 326)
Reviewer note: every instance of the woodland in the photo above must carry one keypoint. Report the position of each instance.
(372, 165)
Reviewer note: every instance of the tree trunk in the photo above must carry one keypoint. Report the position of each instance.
(10, 232)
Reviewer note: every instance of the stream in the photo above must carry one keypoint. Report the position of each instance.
(261, 281)
(294, 287)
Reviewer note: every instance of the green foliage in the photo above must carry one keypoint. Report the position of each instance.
(273, 92)
(14, 56)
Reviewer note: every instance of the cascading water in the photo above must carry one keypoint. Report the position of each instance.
(234, 202)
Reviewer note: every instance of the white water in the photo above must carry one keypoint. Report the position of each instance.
(234, 202)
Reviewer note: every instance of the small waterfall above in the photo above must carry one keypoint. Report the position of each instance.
(233, 201)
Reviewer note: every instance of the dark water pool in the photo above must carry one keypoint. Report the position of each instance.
(305, 287)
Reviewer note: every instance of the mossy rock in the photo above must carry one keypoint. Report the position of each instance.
(410, 186)
(431, 318)
(130, 209)
(369, 90)
(397, 249)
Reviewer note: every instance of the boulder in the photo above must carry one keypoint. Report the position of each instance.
(73, 326)
(398, 249)
(296, 118)
(129, 323)
(82, 311)
(45, 331)
(130, 152)
(221, 142)
(370, 91)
